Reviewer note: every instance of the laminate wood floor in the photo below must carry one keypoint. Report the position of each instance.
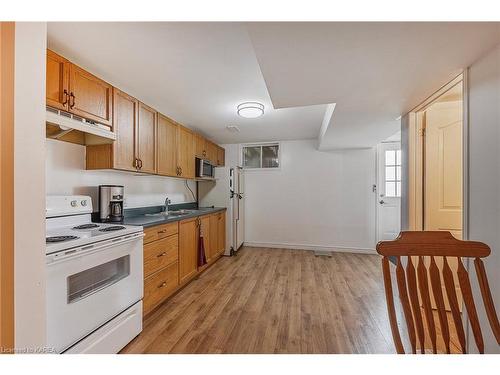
(275, 301)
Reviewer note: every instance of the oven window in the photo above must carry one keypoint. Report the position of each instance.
(85, 283)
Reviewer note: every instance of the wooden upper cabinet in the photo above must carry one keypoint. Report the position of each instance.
(221, 156)
(188, 249)
(166, 146)
(200, 146)
(146, 135)
(125, 118)
(90, 97)
(185, 152)
(57, 73)
(212, 152)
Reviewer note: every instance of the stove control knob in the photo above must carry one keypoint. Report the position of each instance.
(74, 203)
(83, 203)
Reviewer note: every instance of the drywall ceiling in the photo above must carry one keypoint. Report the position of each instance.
(374, 72)
(196, 73)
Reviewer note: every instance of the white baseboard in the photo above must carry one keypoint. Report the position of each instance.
(337, 249)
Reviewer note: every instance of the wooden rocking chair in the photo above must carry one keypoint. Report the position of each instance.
(434, 245)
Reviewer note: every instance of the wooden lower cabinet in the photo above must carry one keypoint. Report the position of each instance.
(171, 254)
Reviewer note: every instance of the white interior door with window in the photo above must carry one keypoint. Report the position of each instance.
(388, 190)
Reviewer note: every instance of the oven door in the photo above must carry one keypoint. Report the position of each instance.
(88, 286)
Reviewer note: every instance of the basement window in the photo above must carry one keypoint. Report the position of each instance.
(393, 173)
(261, 156)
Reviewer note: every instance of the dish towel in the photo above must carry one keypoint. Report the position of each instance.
(202, 259)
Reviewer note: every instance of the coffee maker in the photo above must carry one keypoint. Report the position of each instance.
(111, 203)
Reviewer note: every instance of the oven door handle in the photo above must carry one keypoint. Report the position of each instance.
(89, 249)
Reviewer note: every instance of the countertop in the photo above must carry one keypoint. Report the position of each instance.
(150, 221)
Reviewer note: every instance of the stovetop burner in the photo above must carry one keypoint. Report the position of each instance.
(60, 238)
(86, 226)
(111, 229)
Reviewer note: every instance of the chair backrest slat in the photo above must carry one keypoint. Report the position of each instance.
(403, 296)
(437, 291)
(453, 301)
(488, 300)
(390, 306)
(415, 304)
(415, 290)
(426, 301)
(465, 288)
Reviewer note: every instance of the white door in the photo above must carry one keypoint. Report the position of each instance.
(388, 190)
(443, 168)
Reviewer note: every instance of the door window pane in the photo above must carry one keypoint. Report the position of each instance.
(270, 156)
(390, 157)
(398, 157)
(390, 173)
(390, 188)
(251, 157)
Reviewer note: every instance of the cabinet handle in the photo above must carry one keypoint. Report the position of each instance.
(161, 255)
(180, 171)
(140, 163)
(65, 93)
(71, 95)
(163, 284)
(162, 231)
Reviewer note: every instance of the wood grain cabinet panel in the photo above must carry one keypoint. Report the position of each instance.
(212, 152)
(125, 126)
(146, 136)
(57, 81)
(90, 97)
(200, 146)
(188, 249)
(160, 286)
(221, 230)
(212, 251)
(207, 235)
(221, 156)
(159, 254)
(160, 231)
(185, 152)
(166, 146)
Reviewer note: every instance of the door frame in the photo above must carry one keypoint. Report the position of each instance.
(7, 42)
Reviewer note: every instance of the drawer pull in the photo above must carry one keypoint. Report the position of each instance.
(161, 255)
(162, 231)
(163, 284)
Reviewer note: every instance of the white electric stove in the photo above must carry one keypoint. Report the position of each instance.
(94, 279)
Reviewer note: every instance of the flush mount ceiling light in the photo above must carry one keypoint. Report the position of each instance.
(250, 109)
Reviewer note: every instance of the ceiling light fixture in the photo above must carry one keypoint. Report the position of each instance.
(250, 109)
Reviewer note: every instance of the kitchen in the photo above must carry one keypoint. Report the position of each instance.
(193, 208)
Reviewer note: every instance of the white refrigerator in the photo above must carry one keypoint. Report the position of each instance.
(227, 191)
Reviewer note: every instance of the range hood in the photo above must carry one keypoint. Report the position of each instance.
(67, 127)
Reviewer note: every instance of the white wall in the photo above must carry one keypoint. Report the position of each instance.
(66, 174)
(29, 184)
(317, 200)
(484, 176)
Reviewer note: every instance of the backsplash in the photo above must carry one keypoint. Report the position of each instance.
(66, 175)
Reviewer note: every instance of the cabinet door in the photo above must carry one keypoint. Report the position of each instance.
(214, 234)
(221, 230)
(212, 152)
(90, 97)
(207, 238)
(185, 152)
(200, 146)
(166, 145)
(221, 156)
(57, 75)
(125, 127)
(146, 136)
(188, 249)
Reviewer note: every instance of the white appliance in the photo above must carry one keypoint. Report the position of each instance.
(94, 132)
(227, 191)
(94, 279)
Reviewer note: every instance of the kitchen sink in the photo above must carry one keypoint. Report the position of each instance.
(170, 213)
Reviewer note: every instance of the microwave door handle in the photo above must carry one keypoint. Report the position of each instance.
(89, 249)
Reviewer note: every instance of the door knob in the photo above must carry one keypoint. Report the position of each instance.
(381, 202)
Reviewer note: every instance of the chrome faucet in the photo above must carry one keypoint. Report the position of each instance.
(167, 202)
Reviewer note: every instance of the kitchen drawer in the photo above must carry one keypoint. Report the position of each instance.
(159, 286)
(160, 253)
(160, 231)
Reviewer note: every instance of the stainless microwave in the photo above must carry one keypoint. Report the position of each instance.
(204, 169)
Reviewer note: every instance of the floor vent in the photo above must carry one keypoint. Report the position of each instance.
(323, 253)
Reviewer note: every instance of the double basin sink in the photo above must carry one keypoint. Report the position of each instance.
(176, 213)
